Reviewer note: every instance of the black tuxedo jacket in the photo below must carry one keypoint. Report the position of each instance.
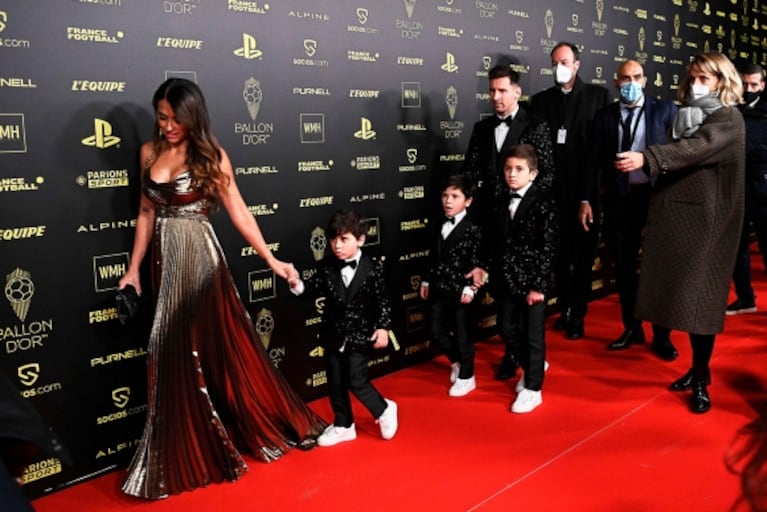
(574, 112)
(452, 258)
(484, 165)
(658, 118)
(524, 249)
(350, 315)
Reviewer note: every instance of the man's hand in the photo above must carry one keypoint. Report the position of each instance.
(585, 216)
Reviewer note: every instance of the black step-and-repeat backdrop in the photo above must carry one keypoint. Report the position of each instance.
(321, 105)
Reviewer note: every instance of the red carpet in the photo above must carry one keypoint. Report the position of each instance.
(609, 436)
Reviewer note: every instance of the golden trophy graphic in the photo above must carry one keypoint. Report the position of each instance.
(252, 95)
(264, 326)
(19, 290)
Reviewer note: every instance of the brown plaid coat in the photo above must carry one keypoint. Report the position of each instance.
(694, 225)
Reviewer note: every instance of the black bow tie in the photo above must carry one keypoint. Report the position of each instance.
(506, 120)
(514, 195)
(451, 220)
(351, 263)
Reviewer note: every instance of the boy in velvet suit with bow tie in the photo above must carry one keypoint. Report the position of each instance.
(446, 288)
(521, 262)
(356, 318)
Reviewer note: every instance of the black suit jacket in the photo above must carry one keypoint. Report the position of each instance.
(484, 165)
(600, 171)
(350, 315)
(574, 112)
(452, 258)
(524, 249)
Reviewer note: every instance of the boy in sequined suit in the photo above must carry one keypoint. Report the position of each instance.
(356, 318)
(454, 253)
(521, 262)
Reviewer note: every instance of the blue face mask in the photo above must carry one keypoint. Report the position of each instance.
(631, 92)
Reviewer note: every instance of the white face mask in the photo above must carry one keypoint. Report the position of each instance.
(698, 91)
(562, 74)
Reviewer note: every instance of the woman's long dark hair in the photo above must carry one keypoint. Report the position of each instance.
(204, 152)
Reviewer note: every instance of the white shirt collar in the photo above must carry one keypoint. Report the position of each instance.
(522, 191)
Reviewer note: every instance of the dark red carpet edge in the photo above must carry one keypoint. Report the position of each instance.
(609, 436)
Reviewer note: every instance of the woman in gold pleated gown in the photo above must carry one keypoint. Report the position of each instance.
(212, 390)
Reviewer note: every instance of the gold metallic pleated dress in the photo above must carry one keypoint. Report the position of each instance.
(212, 390)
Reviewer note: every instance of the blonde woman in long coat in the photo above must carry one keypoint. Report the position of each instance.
(695, 216)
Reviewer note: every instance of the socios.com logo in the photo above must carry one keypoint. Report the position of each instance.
(102, 137)
(28, 373)
(121, 396)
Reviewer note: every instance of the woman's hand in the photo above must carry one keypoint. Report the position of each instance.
(130, 278)
(283, 269)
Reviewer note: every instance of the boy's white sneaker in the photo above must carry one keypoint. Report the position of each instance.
(333, 435)
(387, 421)
(463, 387)
(526, 401)
(521, 381)
(455, 369)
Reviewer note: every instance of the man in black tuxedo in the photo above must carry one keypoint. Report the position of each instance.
(569, 108)
(631, 124)
(490, 139)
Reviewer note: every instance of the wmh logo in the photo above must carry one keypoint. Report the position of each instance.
(312, 128)
(108, 269)
(13, 135)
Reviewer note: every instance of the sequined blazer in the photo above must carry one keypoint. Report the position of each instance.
(452, 258)
(523, 250)
(350, 315)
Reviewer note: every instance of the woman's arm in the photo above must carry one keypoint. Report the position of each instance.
(142, 235)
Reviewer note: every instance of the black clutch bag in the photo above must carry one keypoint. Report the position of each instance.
(127, 302)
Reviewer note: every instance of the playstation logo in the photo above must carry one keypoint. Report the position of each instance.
(248, 50)
(365, 132)
(449, 66)
(102, 137)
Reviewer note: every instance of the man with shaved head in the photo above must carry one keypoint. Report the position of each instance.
(630, 124)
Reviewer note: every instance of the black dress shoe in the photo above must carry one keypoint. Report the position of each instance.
(685, 382)
(564, 320)
(574, 329)
(699, 401)
(664, 349)
(507, 369)
(628, 338)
